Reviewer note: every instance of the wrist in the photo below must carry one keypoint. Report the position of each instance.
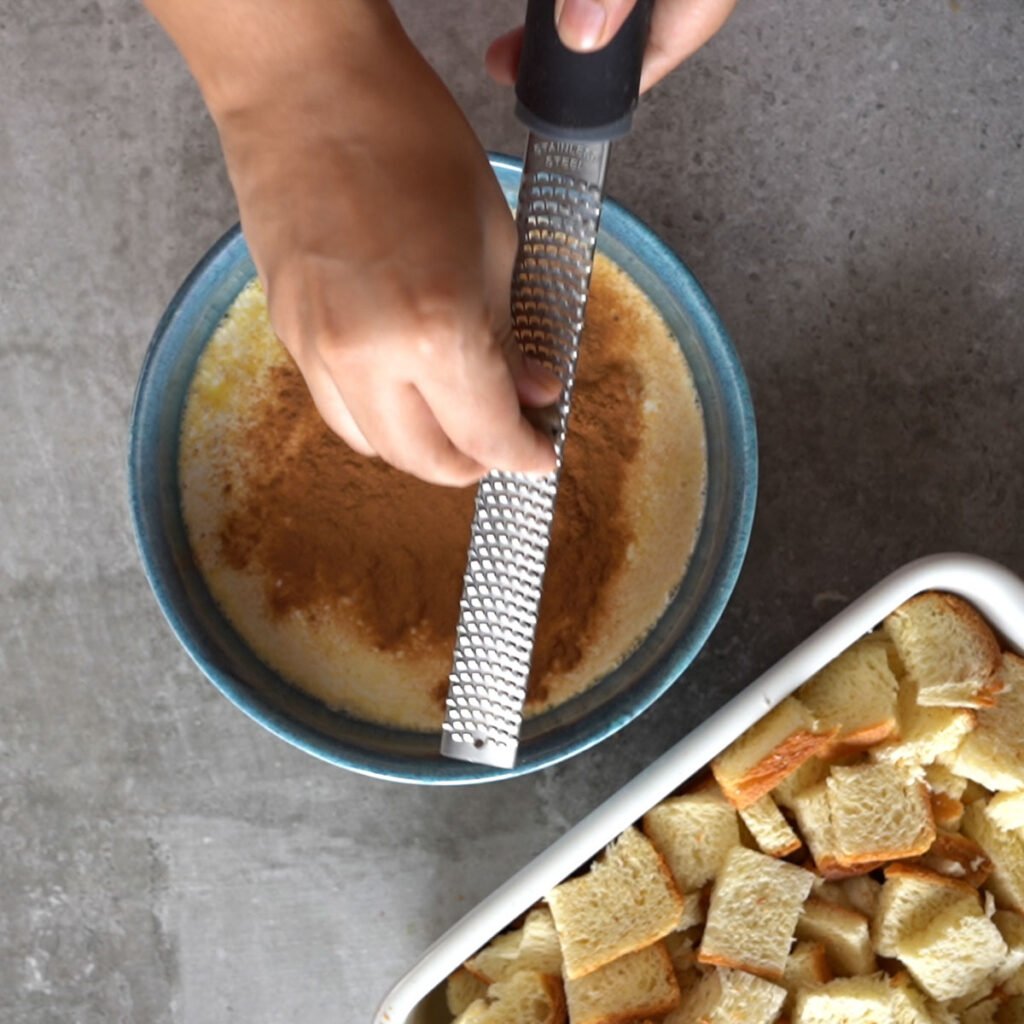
(249, 54)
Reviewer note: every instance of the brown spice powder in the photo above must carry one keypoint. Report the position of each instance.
(334, 534)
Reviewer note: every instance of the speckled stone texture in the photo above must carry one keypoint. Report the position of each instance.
(847, 181)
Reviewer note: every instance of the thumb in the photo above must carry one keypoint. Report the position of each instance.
(536, 385)
(586, 25)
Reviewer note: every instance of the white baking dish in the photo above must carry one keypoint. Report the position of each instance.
(996, 592)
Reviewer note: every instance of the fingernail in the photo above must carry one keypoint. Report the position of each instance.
(538, 385)
(580, 23)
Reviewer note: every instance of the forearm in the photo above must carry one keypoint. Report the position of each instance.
(243, 52)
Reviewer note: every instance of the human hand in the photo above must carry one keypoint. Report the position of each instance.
(379, 232)
(678, 29)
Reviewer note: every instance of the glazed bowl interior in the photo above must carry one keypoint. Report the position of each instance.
(227, 661)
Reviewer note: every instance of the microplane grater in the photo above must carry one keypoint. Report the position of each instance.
(558, 214)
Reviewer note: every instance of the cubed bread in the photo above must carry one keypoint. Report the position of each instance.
(806, 966)
(626, 901)
(862, 894)
(993, 753)
(957, 856)
(948, 649)
(954, 952)
(1011, 927)
(912, 896)
(461, 989)
(768, 752)
(942, 779)
(1007, 810)
(755, 904)
(683, 955)
(693, 834)
(985, 1012)
(810, 773)
(633, 986)
(924, 734)
(866, 1000)
(527, 997)
(947, 811)
(814, 819)
(769, 828)
(878, 814)
(695, 908)
(726, 996)
(910, 1006)
(540, 948)
(855, 694)
(1004, 849)
(495, 960)
(845, 934)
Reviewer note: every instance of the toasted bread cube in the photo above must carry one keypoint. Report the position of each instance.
(1006, 852)
(911, 896)
(768, 751)
(494, 961)
(461, 989)
(942, 779)
(625, 902)
(947, 812)
(814, 818)
(959, 935)
(815, 822)
(957, 856)
(684, 961)
(1007, 810)
(845, 934)
(1011, 927)
(695, 908)
(859, 892)
(753, 887)
(865, 1000)
(924, 734)
(693, 834)
(948, 649)
(993, 754)
(909, 1005)
(635, 985)
(540, 948)
(527, 997)
(769, 828)
(878, 814)
(984, 1012)
(862, 894)
(807, 965)
(855, 694)
(810, 773)
(725, 996)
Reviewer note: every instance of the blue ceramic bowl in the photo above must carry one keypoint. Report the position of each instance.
(231, 666)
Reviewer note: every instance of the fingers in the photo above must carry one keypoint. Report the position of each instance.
(476, 403)
(502, 57)
(678, 29)
(407, 434)
(332, 408)
(586, 25)
(535, 385)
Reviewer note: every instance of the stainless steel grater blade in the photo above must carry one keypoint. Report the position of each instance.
(557, 216)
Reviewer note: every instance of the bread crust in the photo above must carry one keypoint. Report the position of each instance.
(721, 960)
(783, 760)
(957, 849)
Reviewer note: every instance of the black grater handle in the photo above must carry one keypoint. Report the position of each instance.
(580, 97)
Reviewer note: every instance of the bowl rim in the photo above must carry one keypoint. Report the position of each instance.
(560, 744)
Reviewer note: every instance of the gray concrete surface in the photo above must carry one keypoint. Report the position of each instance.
(847, 180)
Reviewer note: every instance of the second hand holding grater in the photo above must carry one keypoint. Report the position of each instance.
(574, 105)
